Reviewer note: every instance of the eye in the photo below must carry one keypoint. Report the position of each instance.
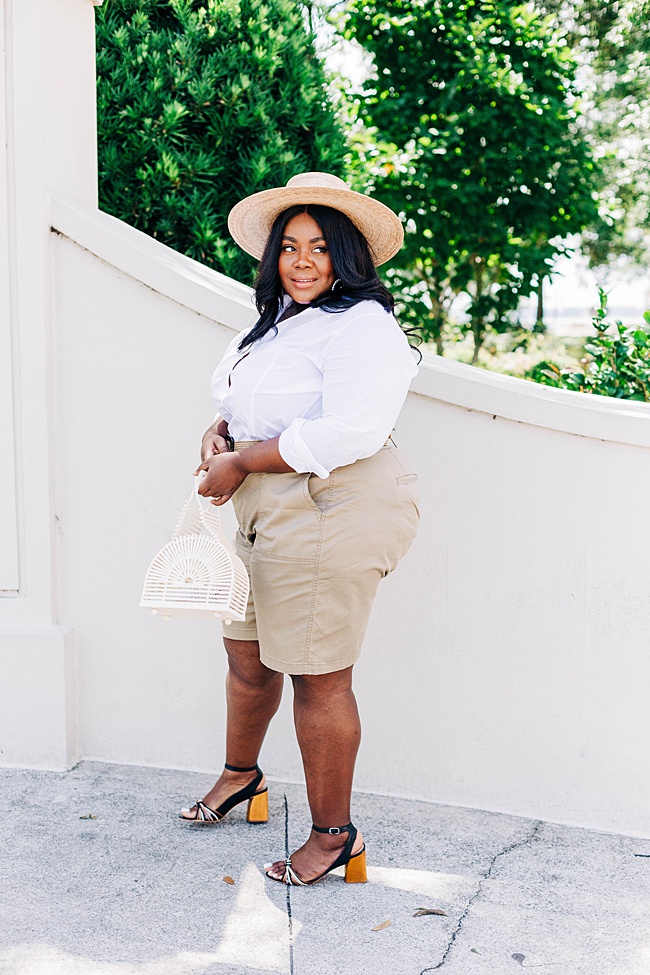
(320, 249)
(287, 248)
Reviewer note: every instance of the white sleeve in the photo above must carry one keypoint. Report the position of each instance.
(367, 369)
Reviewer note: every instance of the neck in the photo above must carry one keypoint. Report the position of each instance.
(292, 309)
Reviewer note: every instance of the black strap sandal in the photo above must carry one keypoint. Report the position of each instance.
(258, 802)
(355, 863)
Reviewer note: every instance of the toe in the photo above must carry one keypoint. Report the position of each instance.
(276, 870)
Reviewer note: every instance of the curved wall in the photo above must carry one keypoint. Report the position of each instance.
(506, 664)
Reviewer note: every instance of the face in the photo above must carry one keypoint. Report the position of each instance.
(304, 264)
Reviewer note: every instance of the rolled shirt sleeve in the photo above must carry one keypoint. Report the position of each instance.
(367, 368)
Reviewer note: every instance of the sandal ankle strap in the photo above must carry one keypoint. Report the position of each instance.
(334, 830)
(236, 768)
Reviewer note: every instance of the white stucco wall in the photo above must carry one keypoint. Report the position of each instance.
(506, 663)
(47, 146)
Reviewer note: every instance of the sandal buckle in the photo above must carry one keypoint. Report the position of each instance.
(334, 830)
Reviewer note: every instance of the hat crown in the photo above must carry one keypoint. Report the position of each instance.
(250, 221)
(322, 180)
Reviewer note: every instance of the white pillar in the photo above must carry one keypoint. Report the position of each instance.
(47, 147)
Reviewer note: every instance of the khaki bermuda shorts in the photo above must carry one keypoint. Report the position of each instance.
(315, 550)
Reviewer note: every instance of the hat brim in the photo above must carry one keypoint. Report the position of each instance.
(251, 219)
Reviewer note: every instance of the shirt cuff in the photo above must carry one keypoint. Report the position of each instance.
(295, 452)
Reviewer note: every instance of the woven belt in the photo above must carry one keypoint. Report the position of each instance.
(243, 444)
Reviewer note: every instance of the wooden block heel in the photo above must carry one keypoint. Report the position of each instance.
(258, 808)
(355, 868)
(258, 802)
(354, 863)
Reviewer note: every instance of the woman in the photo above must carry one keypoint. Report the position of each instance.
(326, 504)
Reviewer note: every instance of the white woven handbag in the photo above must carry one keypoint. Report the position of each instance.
(198, 573)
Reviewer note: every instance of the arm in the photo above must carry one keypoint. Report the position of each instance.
(227, 471)
(367, 369)
(214, 441)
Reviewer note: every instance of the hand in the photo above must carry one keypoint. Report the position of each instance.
(212, 443)
(224, 474)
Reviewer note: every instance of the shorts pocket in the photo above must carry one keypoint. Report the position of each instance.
(319, 491)
(409, 485)
(288, 524)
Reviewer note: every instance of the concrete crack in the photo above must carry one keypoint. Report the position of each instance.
(289, 915)
(517, 845)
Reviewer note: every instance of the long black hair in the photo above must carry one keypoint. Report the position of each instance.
(354, 270)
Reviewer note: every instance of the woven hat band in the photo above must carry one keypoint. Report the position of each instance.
(250, 221)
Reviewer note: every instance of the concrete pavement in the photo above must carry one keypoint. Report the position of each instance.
(134, 892)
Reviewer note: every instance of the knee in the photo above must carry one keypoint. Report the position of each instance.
(321, 689)
(246, 668)
(254, 680)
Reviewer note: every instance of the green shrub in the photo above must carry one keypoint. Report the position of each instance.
(617, 362)
(201, 102)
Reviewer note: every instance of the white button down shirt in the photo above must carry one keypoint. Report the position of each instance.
(330, 385)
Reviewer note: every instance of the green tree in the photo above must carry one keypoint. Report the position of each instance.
(201, 102)
(477, 147)
(620, 133)
(610, 40)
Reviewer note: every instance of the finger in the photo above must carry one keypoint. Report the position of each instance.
(221, 500)
(203, 466)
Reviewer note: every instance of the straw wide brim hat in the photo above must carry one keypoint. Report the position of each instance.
(251, 219)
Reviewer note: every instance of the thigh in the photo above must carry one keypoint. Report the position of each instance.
(243, 630)
(314, 587)
(244, 661)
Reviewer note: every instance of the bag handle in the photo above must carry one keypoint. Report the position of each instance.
(195, 516)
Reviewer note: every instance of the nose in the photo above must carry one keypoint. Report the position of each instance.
(302, 259)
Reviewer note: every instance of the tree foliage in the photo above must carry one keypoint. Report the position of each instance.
(619, 65)
(477, 147)
(201, 102)
(610, 40)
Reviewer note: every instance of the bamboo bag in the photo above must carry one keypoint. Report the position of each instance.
(198, 574)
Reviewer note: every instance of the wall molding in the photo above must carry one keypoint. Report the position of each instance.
(231, 303)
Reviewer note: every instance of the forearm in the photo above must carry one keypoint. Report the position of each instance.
(218, 428)
(263, 458)
(227, 470)
(214, 439)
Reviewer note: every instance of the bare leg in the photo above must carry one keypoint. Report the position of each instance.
(329, 732)
(253, 694)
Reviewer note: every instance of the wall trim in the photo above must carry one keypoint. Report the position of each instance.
(230, 303)
(155, 265)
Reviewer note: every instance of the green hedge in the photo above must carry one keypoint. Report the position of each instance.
(201, 102)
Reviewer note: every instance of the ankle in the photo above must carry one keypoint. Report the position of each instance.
(329, 841)
(229, 776)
